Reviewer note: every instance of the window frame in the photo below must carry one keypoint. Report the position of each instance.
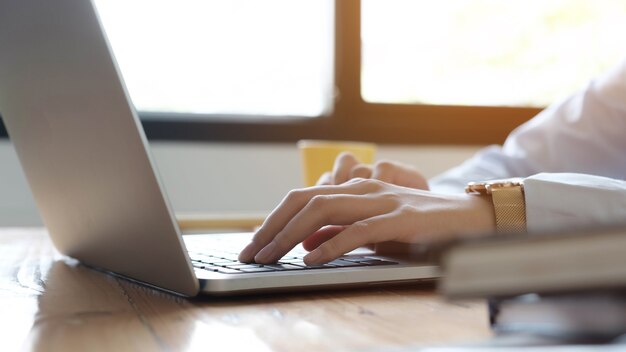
(351, 118)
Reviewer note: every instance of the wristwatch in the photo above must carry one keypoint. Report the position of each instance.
(508, 202)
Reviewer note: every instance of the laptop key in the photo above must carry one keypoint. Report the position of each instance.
(303, 265)
(288, 259)
(233, 257)
(222, 262)
(200, 258)
(322, 266)
(257, 269)
(354, 259)
(345, 263)
(228, 271)
(243, 266)
(207, 269)
(377, 262)
(281, 266)
(197, 265)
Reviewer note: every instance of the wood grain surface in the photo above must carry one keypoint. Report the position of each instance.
(49, 302)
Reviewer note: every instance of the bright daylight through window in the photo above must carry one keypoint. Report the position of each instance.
(487, 52)
(242, 57)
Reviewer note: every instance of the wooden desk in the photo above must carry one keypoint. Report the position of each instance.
(49, 302)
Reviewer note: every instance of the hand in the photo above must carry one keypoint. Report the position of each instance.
(348, 167)
(367, 211)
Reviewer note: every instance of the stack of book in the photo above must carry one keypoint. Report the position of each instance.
(567, 285)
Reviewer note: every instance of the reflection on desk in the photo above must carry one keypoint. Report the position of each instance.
(50, 302)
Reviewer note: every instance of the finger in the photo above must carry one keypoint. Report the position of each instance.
(361, 171)
(291, 205)
(344, 163)
(399, 174)
(323, 235)
(325, 179)
(384, 170)
(376, 229)
(319, 212)
(320, 236)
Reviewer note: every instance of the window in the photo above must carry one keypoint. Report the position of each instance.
(487, 52)
(243, 57)
(387, 71)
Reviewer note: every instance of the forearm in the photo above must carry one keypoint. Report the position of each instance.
(583, 134)
(488, 164)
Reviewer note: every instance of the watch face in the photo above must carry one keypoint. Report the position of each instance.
(486, 186)
(476, 187)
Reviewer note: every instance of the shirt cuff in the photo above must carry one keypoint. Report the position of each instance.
(566, 200)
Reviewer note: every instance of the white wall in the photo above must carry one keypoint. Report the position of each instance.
(217, 177)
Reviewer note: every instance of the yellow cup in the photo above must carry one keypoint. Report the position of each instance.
(318, 156)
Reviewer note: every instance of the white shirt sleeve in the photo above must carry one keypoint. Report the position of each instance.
(577, 151)
(557, 200)
(585, 133)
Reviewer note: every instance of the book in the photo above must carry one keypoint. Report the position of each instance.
(511, 265)
(581, 317)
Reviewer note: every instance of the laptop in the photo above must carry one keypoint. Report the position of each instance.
(88, 165)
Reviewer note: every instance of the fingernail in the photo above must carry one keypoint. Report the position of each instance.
(266, 253)
(246, 254)
(313, 257)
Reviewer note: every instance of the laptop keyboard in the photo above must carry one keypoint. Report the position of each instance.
(227, 263)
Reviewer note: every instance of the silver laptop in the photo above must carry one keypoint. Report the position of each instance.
(93, 178)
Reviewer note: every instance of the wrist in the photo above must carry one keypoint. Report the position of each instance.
(507, 198)
(481, 215)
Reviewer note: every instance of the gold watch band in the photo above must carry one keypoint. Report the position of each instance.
(510, 209)
(507, 197)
